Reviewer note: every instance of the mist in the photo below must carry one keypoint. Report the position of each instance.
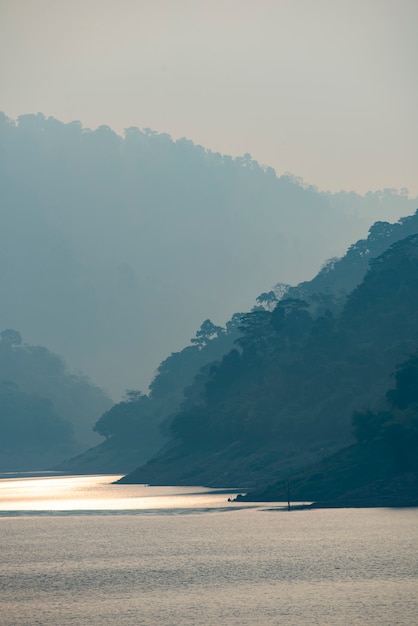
(114, 248)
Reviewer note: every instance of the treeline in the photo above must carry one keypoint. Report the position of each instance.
(47, 413)
(285, 395)
(294, 376)
(138, 426)
(112, 249)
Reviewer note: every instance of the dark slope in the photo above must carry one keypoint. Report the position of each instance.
(339, 276)
(113, 249)
(46, 412)
(137, 427)
(381, 469)
(287, 396)
(358, 476)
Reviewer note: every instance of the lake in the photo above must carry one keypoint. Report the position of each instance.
(80, 550)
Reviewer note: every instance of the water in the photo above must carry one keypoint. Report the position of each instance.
(78, 550)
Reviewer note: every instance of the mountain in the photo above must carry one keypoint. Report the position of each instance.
(112, 249)
(339, 276)
(47, 413)
(284, 397)
(136, 428)
(380, 469)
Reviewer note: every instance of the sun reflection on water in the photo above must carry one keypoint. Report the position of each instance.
(98, 493)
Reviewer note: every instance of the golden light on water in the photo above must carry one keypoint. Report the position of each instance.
(98, 493)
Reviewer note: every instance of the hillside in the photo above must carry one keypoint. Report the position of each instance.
(46, 412)
(339, 276)
(359, 476)
(284, 398)
(114, 249)
(135, 428)
(181, 378)
(380, 469)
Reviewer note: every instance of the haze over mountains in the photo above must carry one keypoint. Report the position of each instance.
(47, 413)
(113, 250)
(305, 380)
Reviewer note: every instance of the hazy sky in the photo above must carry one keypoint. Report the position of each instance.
(325, 89)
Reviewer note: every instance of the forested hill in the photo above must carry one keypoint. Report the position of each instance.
(286, 395)
(114, 249)
(379, 469)
(339, 276)
(47, 413)
(135, 428)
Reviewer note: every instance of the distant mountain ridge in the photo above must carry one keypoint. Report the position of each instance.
(286, 397)
(339, 276)
(47, 412)
(113, 249)
(137, 427)
(181, 378)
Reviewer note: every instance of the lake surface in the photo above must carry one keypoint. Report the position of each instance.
(79, 550)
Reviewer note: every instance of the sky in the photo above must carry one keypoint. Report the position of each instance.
(324, 89)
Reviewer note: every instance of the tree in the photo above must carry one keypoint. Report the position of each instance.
(133, 395)
(291, 318)
(254, 327)
(206, 333)
(125, 419)
(267, 300)
(11, 337)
